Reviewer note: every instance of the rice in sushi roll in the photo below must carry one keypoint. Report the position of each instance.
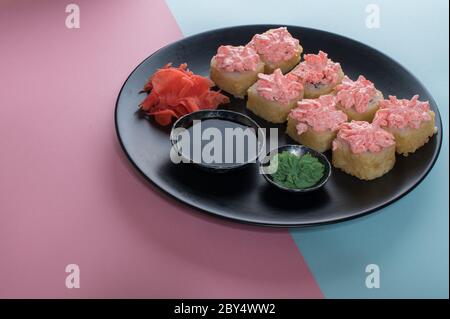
(274, 95)
(314, 122)
(235, 69)
(358, 99)
(318, 74)
(363, 150)
(410, 121)
(277, 49)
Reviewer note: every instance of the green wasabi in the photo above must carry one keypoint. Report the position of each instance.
(296, 171)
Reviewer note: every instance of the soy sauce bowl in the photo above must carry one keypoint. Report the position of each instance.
(298, 150)
(187, 121)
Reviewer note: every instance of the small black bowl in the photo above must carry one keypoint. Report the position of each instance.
(187, 121)
(298, 150)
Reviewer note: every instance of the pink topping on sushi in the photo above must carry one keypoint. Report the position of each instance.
(395, 113)
(320, 114)
(236, 59)
(362, 136)
(317, 68)
(278, 87)
(275, 45)
(355, 94)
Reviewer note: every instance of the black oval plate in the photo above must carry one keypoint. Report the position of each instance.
(244, 195)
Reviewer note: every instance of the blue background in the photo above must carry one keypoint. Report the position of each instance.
(409, 239)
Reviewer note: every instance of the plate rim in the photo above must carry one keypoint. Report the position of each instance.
(167, 192)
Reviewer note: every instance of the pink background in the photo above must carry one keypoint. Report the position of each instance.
(68, 194)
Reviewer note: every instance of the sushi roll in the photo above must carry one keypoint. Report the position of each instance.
(358, 99)
(274, 95)
(314, 123)
(363, 150)
(235, 68)
(410, 121)
(277, 49)
(318, 74)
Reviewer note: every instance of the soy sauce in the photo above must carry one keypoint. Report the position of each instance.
(219, 142)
